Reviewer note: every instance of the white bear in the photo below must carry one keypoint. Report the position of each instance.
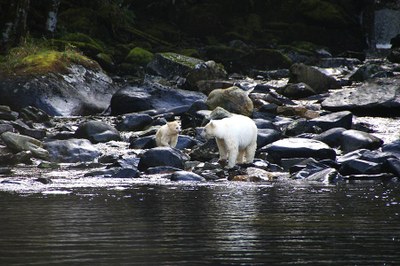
(167, 135)
(236, 138)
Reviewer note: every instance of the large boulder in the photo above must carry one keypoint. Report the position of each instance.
(233, 99)
(193, 70)
(354, 139)
(318, 80)
(150, 96)
(79, 91)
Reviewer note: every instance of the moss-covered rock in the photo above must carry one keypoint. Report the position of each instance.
(51, 61)
(139, 56)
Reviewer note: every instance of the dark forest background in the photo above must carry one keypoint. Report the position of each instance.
(108, 30)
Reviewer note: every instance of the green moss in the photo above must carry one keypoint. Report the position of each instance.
(139, 56)
(52, 61)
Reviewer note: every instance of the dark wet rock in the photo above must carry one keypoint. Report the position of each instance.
(44, 180)
(7, 158)
(18, 143)
(392, 148)
(205, 152)
(160, 170)
(195, 115)
(186, 176)
(97, 132)
(394, 55)
(264, 124)
(24, 129)
(219, 113)
(336, 119)
(5, 170)
(332, 137)
(191, 70)
(162, 156)
(7, 114)
(366, 162)
(374, 98)
(393, 165)
(186, 142)
(296, 90)
(267, 136)
(207, 86)
(134, 122)
(5, 128)
(298, 148)
(358, 166)
(126, 173)
(146, 142)
(319, 124)
(354, 139)
(317, 171)
(151, 96)
(336, 62)
(101, 173)
(315, 78)
(296, 111)
(71, 151)
(233, 99)
(366, 72)
(31, 113)
(81, 91)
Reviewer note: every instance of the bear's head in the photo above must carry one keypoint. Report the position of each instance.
(208, 131)
(174, 127)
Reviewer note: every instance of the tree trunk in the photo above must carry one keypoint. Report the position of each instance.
(51, 22)
(15, 28)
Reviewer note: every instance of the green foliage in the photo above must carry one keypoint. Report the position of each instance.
(323, 12)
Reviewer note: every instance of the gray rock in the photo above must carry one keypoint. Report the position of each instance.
(332, 137)
(18, 143)
(71, 151)
(376, 98)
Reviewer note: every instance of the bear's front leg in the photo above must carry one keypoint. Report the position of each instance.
(232, 155)
(173, 141)
(223, 153)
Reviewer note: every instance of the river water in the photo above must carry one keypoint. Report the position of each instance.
(222, 223)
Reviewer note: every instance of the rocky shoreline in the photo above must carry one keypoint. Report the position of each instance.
(316, 123)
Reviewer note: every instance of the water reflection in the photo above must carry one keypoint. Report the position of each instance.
(227, 224)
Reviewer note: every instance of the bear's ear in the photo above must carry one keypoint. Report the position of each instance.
(212, 124)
